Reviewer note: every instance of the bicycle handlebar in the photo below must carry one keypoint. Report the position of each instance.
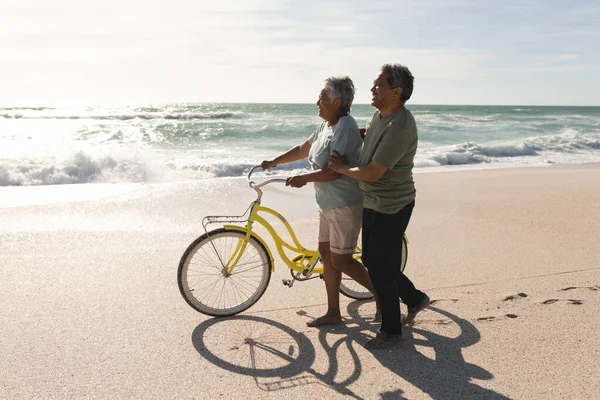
(255, 185)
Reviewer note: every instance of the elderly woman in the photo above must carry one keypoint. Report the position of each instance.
(339, 197)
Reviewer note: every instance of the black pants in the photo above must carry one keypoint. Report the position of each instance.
(382, 254)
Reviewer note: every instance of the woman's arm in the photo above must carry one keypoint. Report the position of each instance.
(294, 154)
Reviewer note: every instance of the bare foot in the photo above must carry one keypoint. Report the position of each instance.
(410, 317)
(325, 320)
(409, 320)
(383, 341)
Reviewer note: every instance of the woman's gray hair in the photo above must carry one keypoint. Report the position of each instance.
(399, 75)
(341, 87)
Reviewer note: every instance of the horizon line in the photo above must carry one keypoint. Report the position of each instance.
(135, 103)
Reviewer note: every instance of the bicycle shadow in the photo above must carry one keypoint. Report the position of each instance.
(277, 357)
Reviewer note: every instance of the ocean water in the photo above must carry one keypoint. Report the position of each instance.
(176, 142)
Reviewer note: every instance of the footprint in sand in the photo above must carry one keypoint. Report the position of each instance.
(515, 296)
(571, 301)
(512, 316)
(433, 321)
(439, 300)
(580, 287)
(550, 301)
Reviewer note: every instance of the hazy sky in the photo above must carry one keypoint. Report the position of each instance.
(460, 52)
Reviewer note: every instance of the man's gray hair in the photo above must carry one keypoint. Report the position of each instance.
(399, 75)
(341, 87)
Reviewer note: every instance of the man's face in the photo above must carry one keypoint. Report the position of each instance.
(383, 94)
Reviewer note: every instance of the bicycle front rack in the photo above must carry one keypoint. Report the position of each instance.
(226, 219)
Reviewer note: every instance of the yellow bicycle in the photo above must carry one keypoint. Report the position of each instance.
(226, 270)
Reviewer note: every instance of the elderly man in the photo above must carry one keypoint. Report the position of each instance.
(385, 176)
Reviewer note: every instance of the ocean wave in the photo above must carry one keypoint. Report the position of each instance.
(472, 153)
(26, 108)
(125, 117)
(87, 167)
(80, 167)
(569, 140)
(221, 169)
(541, 148)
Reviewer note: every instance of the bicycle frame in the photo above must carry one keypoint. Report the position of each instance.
(306, 261)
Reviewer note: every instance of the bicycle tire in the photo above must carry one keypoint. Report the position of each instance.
(352, 289)
(211, 245)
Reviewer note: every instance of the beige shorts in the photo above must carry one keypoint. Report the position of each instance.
(340, 227)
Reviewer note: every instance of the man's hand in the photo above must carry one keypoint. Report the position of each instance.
(296, 181)
(267, 165)
(337, 162)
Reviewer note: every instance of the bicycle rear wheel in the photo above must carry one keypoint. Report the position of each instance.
(203, 278)
(350, 288)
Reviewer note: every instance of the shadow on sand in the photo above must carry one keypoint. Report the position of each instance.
(277, 357)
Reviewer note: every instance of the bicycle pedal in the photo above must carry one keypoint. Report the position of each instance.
(287, 282)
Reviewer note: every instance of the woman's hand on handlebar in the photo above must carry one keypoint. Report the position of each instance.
(296, 181)
(267, 164)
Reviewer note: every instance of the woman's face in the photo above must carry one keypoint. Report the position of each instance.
(328, 108)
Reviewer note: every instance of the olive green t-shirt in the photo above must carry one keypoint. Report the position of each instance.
(390, 141)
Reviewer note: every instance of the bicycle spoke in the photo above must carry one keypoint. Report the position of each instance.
(243, 294)
(211, 283)
(237, 270)
(216, 263)
(244, 289)
(212, 287)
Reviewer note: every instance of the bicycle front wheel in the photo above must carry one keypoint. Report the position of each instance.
(350, 288)
(209, 286)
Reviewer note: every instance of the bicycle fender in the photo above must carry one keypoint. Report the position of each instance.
(244, 230)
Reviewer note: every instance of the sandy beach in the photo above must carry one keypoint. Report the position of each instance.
(90, 306)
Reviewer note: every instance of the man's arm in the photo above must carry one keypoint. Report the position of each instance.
(371, 172)
(324, 175)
